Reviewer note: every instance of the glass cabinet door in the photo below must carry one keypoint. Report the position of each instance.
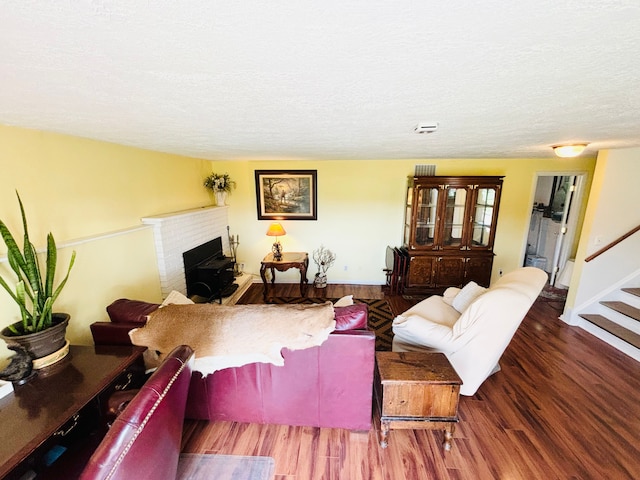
(408, 210)
(454, 217)
(426, 216)
(483, 212)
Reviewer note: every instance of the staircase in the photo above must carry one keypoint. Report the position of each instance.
(622, 316)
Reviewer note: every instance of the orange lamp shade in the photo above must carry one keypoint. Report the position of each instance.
(276, 230)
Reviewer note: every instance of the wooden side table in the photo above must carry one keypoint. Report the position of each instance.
(299, 260)
(417, 390)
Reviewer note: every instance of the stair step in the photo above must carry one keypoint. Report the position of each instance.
(613, 328)
(624, 308)
(632, 291)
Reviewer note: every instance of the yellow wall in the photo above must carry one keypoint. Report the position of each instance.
(84, 189)
(81, 189)
(591, 206)
(360, 210)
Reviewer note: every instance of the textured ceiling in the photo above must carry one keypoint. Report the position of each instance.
(325, 80)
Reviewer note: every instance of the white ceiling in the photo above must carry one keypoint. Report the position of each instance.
(326, 79)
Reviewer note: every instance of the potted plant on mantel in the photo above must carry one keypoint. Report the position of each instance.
(221, 185)
(40, 332)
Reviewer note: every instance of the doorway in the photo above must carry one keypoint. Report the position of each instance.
(553, 223)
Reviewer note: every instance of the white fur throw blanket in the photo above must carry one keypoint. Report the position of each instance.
(230, 336)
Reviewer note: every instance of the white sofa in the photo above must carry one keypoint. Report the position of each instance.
(474, 338)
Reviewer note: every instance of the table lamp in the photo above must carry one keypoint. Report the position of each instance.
(276, 230)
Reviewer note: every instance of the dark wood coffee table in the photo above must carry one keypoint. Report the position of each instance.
(416, 390)
(38, 413)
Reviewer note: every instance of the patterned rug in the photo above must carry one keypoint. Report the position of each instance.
(380, 316)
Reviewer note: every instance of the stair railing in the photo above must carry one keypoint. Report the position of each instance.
(612, 244)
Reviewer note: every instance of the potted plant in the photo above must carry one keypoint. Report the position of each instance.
(323, 258)
(221, 185)
(41, 332)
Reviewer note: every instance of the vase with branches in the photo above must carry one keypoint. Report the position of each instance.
(323, 258)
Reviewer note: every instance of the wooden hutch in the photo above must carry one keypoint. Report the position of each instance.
(449, 231)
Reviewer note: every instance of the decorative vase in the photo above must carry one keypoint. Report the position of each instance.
(44, 343)
(221, 198)
(320, 281)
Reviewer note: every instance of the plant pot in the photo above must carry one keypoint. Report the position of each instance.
(320, 281)
(221, 198)
(41, 344)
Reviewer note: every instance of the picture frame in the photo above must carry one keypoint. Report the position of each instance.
(287, 194)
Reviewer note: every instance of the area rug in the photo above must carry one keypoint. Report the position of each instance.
(550, 293)
(380, 316)
(193, 466)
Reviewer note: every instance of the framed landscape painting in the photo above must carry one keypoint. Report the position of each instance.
(287, 194)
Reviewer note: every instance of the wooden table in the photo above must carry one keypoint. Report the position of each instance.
(299, 260)
(39, 412)
(417, 390)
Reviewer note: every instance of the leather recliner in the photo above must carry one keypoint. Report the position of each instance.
(144, 440)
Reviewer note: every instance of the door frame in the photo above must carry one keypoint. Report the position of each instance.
(574, 215)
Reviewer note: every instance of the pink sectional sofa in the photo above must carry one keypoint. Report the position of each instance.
(326, 386)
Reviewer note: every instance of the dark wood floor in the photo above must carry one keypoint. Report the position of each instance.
(564, 406)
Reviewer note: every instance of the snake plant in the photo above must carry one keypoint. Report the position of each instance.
(34, 290)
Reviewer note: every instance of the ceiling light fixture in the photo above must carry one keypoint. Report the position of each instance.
(567, 151)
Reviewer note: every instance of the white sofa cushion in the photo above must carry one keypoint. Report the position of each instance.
(417, 330)
(449, 294)
(467, 295)
(345, 301)
(427, 323)
(435, 310)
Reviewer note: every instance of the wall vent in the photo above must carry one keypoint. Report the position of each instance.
(425, 170)
(426, 127)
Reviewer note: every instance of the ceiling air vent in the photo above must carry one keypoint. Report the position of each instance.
(426, 127)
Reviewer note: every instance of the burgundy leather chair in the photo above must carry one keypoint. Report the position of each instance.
(144, 440)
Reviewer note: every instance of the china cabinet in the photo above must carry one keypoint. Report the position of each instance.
(449, 230)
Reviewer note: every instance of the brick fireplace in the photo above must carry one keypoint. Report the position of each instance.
(174, 233)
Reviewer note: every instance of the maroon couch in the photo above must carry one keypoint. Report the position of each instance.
(326, 386)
